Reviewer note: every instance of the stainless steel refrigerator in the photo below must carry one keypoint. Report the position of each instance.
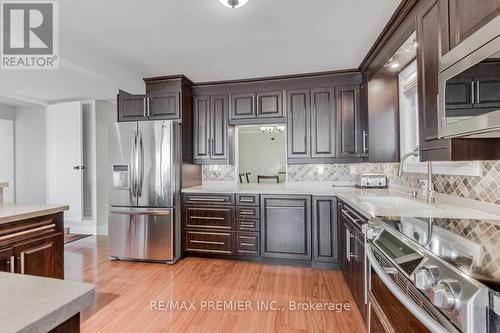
(144, 192)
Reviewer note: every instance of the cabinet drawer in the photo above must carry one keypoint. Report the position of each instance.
(209, 242)
(247, 212)
(247, 244)
(209, 199)
(247, 199)
(247, 224)
(209, 217)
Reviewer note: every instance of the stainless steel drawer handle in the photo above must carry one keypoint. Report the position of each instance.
(27, 232)
(207, 199)
(247, 200)
(247, 244)
(207, 242)
(247, 213)
(207, 218)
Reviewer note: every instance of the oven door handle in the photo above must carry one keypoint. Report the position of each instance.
(417, 311)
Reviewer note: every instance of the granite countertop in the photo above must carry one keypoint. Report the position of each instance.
(4, 184)
(17, 212)
(359, 199)
(36, 304)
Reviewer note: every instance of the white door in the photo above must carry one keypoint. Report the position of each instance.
(64, 158)
(7, 158)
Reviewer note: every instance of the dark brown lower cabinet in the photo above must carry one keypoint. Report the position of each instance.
(40, 257)
(324, 229)
(209, 242)
(7, 260)
(352, 255)
(286, 226)
(247, 244)
(33, 247)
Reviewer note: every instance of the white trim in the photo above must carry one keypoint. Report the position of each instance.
(81, 229)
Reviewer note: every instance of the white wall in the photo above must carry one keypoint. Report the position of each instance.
(7, 112)
(30, 160)
(105, 115)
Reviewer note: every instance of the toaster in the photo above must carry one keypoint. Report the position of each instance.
(371, 180)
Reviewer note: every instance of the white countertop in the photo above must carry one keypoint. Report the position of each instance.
(35, 304)
(17, 212)
(358, 199)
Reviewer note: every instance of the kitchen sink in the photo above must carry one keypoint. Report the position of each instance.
(384, 202)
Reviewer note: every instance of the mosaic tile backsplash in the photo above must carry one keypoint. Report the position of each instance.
(483, 188)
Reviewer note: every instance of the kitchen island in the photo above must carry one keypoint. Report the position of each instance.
(35, 304)
(32, 239)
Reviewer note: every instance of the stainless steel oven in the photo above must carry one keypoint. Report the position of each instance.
(413, 290)
(469, 86)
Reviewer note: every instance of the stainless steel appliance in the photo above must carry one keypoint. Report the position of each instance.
(144, 191)
(469, 86)
(410, 263)
(371, 180)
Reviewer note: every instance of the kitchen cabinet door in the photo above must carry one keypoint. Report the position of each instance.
(466, 17)
(348, 121)
(269, 104)
(459, 94)
(164, 106)
(298, 118)
(7, 260)
(430, 35)
(286, 227)
(201, 135)
(219, 145)
(323, 123)
(325, 229)
(131, 107)
(342, 232)
(243, 106)
(41, 257)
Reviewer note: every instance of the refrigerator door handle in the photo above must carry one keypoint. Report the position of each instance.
(140, 159)
(133, 166)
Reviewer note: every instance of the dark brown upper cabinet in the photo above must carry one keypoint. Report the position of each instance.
(298, 129)
(323, 123)
(243, 106)
(255, 108)
(269, 104)
(164, 105)
(131, 107)
(211, 131)
(466, 17)
(163, 100)
(349, 121)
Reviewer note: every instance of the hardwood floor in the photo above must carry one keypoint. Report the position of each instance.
(125, 291)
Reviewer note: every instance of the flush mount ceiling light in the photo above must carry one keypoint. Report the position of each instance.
(233, 3)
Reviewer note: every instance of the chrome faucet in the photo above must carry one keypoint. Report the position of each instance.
(415, 152)
(430, 187)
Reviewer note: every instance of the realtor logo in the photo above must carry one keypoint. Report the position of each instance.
(29, 37)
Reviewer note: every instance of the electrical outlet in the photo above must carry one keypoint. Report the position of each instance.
(423, 185)
(87, 211)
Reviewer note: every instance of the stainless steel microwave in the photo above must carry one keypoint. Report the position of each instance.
(469, 86)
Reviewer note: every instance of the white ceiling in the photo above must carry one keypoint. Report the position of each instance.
(106, 45)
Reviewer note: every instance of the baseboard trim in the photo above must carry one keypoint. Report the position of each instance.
(81, 229)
